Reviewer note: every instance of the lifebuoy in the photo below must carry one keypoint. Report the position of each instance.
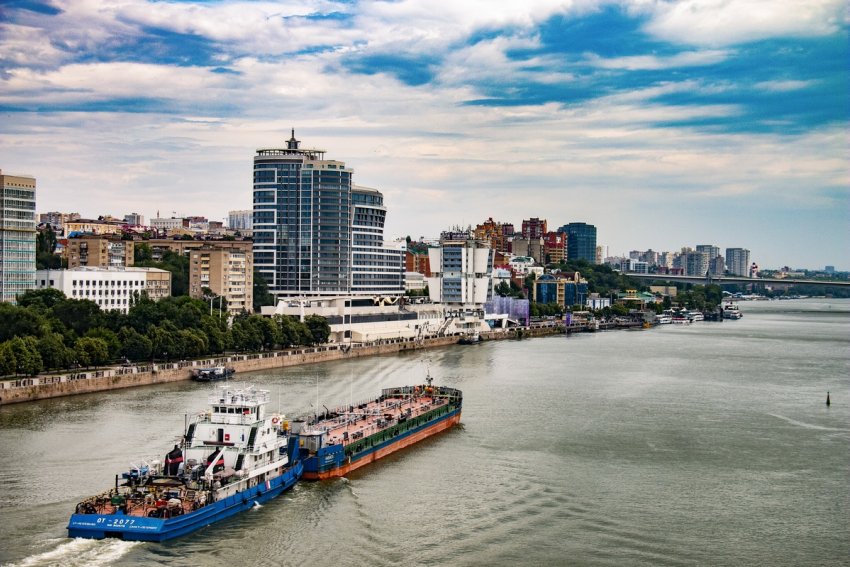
(275, 420)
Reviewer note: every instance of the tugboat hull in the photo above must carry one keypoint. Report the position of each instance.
(139, 528)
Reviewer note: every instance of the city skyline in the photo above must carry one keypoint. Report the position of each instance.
(664, 125)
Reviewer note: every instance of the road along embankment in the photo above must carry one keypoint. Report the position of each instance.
(53, 386)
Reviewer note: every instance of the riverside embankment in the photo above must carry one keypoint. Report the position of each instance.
(115, 378)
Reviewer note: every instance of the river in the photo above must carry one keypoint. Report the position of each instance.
(708, 444)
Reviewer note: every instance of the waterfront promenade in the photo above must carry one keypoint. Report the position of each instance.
(115, 378)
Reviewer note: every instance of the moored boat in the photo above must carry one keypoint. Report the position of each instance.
(472, 339)
(212, 373)
(230, 458)
(349, 437)
(730, 311)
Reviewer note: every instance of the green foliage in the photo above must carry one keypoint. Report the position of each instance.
(177, 264)
(92, 351)
(704, 298)
(20, 321)
(195, 343)
(54, 354)
(601, 278)
(24, 356)
(134, 346)
(505, 289)
(8, 362)
(142, 253)
(41, 299)
(262, 296)
(78, 314)
(45, 248)
(551, 309)
(52, 330)
(619, 310)
(113, 345)
(319, 329)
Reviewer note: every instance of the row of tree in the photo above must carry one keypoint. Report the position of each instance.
(47, 331)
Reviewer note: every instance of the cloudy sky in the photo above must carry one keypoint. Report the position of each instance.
(665, 124)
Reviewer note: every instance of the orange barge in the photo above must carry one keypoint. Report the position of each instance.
(346, 438)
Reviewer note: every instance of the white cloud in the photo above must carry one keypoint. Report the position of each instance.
(653, 62)
(727, 22)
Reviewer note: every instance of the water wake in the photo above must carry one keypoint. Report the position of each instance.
(809, 425)
(80, 552)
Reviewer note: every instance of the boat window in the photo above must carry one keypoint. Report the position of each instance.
(231, 410)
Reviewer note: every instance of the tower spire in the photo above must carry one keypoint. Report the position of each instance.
(293, 144)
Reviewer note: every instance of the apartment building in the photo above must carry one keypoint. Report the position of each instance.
(90, 250)
(98, 226)
(227, 272)
(17, 235)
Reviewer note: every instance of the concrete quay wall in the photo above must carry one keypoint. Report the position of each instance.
(44, 387)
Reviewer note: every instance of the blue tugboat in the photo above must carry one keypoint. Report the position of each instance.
(231, 457)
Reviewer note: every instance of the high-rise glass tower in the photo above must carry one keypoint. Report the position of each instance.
(17, 235)
(581, 241)
(304, 223)
(376, 269)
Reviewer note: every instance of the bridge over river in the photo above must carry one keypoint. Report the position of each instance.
(710, 279)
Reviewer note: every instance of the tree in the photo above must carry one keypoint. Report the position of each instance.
(78, 314)
(160, 339)
(177, 264)
(20, 321)
(8, 362)
(262, 296)
(236, 337)
(142, 253)
(45, 248)
(287, 330)
(41, 299)
(113, 344)
(217, 340)
(134, 346)
(319, 329)
(27, 360)
(195, 344)
(92, 350)
(269, 330)
(53, 352)
(503, 289)
(619, 310)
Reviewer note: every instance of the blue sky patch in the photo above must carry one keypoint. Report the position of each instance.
(30, 5)
(410, 69)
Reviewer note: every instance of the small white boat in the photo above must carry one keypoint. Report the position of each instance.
(730, 311)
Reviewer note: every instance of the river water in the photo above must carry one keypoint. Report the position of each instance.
(709, 444)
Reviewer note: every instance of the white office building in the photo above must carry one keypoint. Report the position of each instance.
(166, 224)
(110, 288)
